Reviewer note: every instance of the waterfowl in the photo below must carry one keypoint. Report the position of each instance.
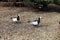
(35, 22)
(15, 19)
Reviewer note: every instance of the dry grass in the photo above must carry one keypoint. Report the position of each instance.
(49, 29)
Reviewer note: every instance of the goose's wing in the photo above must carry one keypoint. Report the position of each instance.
(32, 21)
(35, 20)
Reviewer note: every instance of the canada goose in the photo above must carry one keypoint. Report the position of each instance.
(35, 22)
(15, 19)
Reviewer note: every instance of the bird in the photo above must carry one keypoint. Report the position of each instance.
(35, 22)
(15, 19)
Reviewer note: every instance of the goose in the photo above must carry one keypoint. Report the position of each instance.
(35, 22)
(15, 19)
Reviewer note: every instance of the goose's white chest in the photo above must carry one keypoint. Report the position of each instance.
(14, 19)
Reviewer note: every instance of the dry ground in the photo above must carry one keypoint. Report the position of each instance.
(49, 28)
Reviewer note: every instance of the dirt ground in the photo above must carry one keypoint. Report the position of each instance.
(49, 28)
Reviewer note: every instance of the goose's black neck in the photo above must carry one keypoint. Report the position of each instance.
(18, 18)
(38, 20)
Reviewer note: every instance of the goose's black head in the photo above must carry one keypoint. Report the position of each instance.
(18, 18)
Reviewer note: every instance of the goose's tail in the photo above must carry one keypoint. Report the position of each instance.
(28, 21)
(11, 18)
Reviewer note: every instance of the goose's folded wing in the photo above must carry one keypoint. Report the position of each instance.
(35, 20)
